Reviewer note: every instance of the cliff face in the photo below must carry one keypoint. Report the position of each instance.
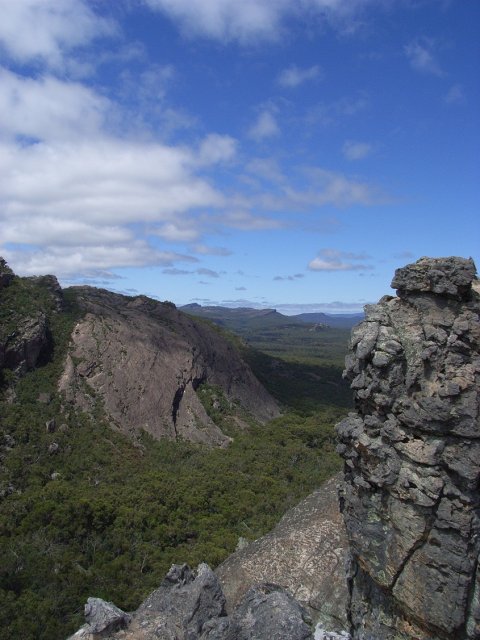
(144, 360)
(305, 554)
(25, 304)
(412, 458)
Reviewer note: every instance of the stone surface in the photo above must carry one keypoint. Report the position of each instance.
(144, 361)
(267, 612)
(190, 605)
(412, 458)
(305, 553)
(102, 618)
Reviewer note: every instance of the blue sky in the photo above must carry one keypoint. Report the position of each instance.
(285, 153)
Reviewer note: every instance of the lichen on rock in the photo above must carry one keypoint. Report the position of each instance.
(412, 458)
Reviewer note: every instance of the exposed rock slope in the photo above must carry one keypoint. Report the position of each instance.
(305, 553)
(144, 360)
(412, 458)
(191, 606)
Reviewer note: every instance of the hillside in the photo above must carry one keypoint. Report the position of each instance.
(89, 505)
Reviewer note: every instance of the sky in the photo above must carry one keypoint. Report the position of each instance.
(269, 153)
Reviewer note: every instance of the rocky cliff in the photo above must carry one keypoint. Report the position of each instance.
(412, 458)
(144, 361)
(305, 553)
(140, 361)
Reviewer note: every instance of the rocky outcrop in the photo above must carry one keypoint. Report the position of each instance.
(412, 458)
(190, 605)
(6, 274)
(24, 326)
(305, 554)
(144, 361)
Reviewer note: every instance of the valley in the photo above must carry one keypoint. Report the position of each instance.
(91, 506)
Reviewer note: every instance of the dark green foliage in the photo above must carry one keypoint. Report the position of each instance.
(116, 515)
(86, 512)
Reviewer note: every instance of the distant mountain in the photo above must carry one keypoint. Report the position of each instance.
(339, 320)
(243, 317)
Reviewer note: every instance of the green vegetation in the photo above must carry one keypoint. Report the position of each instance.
(84, 511)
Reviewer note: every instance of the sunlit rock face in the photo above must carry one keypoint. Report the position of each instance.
(144, 361)
(412, 458)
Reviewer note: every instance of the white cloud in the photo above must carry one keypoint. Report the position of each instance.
(455, 95)
(421, 57)
(246, 221)
(333, 260)
(328, 113)
(216, 148)
(264, 127)
(225, 20)
(45, 230)
(174, 232)
(203, 249)
(48, 108)
(353, 150)
(251, 20)
(45, 30)
(294, 76)
(92, 261)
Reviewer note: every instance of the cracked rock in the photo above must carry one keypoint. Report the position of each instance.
(412, 458)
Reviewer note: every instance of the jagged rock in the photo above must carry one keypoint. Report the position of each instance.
(50, 425)
(190, 605)
(102, 619)
(145, 360)
(181, 606)
(267, 612)
(23, 347)
(305, 553)
(6, 274)
(412, 458)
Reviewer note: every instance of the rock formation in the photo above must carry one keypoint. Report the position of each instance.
(190, 605)
(305, 553)
(412, 458)
(144, 360)
(24, 329)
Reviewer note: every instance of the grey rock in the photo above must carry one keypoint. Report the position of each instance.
(305, 554)
(104, 616)
(444, 276)
(190, 605)
(181, 606)
(266, 612)
(145, 361)
(412, 458)
(50, 425)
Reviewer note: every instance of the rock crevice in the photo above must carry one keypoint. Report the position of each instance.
(412, 458)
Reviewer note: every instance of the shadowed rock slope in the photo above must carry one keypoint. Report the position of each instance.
(412, 458)
(144, 361)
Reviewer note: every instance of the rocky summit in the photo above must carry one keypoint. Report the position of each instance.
(142, 361)
(145, 360)
(412, 458)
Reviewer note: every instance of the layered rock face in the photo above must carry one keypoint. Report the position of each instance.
(305, 553)
(144, 360)
(412, 458)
